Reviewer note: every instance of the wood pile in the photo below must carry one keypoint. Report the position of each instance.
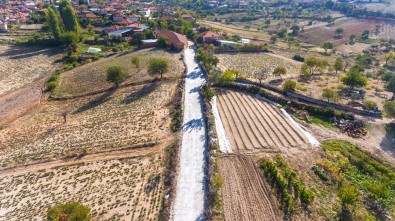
(353, 128)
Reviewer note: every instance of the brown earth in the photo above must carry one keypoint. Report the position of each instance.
(252, 125)
(245, 195)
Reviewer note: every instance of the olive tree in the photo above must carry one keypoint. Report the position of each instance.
(158, 66)
(115, 75)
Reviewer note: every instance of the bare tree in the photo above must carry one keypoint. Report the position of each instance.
(64, 115)
(262, 74)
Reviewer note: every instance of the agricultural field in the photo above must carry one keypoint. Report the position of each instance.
(24, 65)
(252, 125)
(92, 77)
(110, 142)
(119, 189)
(321, 34)
(244, 193)
(126, 118)
(250, 63)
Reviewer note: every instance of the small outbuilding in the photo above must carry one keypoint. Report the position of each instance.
(93, 50)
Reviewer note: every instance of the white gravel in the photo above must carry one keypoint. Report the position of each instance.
(190, 191)
(310, 137)
(224, 145)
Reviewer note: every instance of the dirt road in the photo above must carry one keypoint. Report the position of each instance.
(190, 191)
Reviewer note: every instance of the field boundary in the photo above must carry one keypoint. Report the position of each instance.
(303, 98)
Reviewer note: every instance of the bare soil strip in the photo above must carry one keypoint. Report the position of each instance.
(109, 155)
(244, 194)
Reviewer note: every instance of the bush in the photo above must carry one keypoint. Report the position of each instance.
(208, 93)
(52, 82)
(69, 211)
(320, 173)
(289, 85)
(298, 58)
(306, 196)
(370, 105)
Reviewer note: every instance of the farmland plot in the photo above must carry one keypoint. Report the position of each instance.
(122, 189)
(23, 65)
(124, 118)
(250, 63)
(244, 194)
(92, 77)
(255, 126)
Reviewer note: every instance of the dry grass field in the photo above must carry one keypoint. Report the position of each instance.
(23, 65)
(124, 189)
(250, 63)
(108, 155)
(92, 76)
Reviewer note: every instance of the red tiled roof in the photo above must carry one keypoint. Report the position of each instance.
(175, 39)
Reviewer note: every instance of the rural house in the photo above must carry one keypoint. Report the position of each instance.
(176, 40)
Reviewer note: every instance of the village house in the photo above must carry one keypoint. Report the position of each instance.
(178, 41)
(209, 37)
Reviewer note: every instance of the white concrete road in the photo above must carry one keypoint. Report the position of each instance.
(190, 192)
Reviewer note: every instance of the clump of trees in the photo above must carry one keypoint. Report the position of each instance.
(207, 58)
(312, 64)
(65, 29)
(69, 211)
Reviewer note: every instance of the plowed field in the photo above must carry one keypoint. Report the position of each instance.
(254, 126)
(244, 194)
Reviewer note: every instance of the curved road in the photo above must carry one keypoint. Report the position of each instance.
(190, 191)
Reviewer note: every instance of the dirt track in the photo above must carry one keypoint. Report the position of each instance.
(244, 194)
(253, 126)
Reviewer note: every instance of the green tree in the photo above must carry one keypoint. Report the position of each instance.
(163, 42)
(329, 94)
(338, 65)
(389, 56)
(339, 31)
(365, 34)
(70, 211)
(355, 79)
(280, 71)
(69, 17)
(136, 62)
(273, 39)
(115, 75)
(228, 76)
(69, 38)
(327, 46)
(389, 109)
(158, 66)
(352, 38)
(390, 86)
(306, 196)
(53, 23)
(289, 85)
(311, 64)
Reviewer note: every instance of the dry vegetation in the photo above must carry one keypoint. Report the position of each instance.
(124, 189)
(250, 63)
(23, 65)
(92, 77)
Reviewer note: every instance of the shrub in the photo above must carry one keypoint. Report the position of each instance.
(370, 105)
(298, 58)
(289, 85)
(320, 173)
(69, 211)
(306, 196)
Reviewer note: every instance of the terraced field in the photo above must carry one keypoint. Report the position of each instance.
(126, 118)
(120, 189)
(252, 125)
(244, 194)
(23, 65)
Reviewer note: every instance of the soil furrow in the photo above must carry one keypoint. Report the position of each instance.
(230, 133)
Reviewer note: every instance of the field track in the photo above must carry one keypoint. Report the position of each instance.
(244, 194)
(253, 126)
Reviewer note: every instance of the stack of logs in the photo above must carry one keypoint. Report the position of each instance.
(353, 128)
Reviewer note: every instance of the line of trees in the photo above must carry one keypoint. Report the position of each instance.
(63, 23)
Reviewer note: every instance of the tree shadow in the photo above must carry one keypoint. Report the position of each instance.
(194, 75)
(144, 91)
(194, 124)
(195, 90)
(387, 144)
(96, 102)
(20, 52)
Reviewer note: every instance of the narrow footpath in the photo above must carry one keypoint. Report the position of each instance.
(190, 191)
